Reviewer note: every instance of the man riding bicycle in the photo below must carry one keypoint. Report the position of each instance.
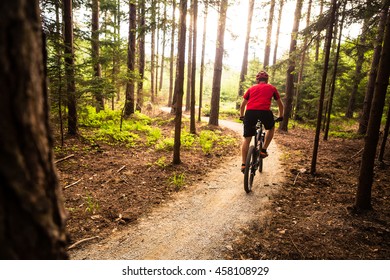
(257, 106)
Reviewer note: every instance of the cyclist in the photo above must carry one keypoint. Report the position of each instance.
(257, 105)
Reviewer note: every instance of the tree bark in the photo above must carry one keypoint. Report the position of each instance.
(172, 59)
(291, 68)
(153, 49)
(281, 4)
(366, 174)
(244, 65)
(374, 70)
(69, 68)
(269, 33)
(334, 75)
(193, 65)
(179, 80)
(189, 58)
(206, 3)
(32, 215)
(329, 33)
(318, 39)
(97, 68)
(129, 105)
(141, 55)
(385, 135)
(164, 20)
(216, 91)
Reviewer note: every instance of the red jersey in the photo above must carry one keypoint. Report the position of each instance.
(259, 96)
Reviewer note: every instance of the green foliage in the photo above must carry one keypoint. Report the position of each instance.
(162, 162)
(92, 206)
(187, 140)
(177, 180)
(206, 140)
(165, 144)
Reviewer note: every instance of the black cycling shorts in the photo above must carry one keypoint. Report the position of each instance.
(250, 120)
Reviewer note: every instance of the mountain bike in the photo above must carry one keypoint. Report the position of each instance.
(254, 160)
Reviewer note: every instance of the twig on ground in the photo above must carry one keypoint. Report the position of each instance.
(81, 241)
(355, 155)
(68, 186)
(292, 241)
(296, 177)
(120, 169)
(65, 158)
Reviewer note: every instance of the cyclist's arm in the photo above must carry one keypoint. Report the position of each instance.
(281, 107)
(242, 107)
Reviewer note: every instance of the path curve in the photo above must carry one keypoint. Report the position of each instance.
(199, 222)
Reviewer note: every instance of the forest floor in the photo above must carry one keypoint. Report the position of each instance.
(307, 217)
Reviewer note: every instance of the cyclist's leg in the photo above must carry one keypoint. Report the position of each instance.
(269, 134)
(269, 124)
(249, 131)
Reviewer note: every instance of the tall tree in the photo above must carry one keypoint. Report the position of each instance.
(360, 48)
(267, 50)
(334, 75)
(172, 56)
(374, 69)
(69, 67)
(366, 174)
(244, 65)
(153, 48)
(189, 57)
(291, 67)
(141, 54)
(216, 91)
(193, 64)
(385, 135)
(129, 104)
(163, 24)
(281, 4)
(318, 39)
(179, 81)
(329, 33)
(97, 68)
(116, 53)
(302, 63)
(202, 67)
(32, 215)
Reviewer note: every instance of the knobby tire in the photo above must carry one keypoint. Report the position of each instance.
(249, 169)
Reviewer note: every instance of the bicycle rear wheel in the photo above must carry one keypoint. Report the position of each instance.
(260, 158)
(250, 169)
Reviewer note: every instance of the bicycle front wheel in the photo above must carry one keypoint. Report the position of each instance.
(250, 169)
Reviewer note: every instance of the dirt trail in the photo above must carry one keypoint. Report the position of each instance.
(199, 222)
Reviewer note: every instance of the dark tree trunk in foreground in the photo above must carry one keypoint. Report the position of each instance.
(216, 92)
(69, 67)
(366, 175)
(141, 54)
(329, 33)
(244, 65)
(373, 71)
(291, 68)
(32, 215)
(129, 105)
(179, 81)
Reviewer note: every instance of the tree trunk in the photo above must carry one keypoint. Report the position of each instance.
(141, 55)
(157, 50)
(69, 67)
(216, 91)
(116, 54)
(179, 81)
(32, 215)
(164, 20)
(59, 69)
(244, 65)
(129, 105)
(385, 135)
(334, 75)
(291, 68)
(202, 60)
(281, 3)
(269, 33)
(329, 33)
(97, 68)
(366, 175)
(172, 59)
(153, 49)
(374, 70)
(302, 65)
(318, 39)
(193, 65)
(358, 71)
(189, 58)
